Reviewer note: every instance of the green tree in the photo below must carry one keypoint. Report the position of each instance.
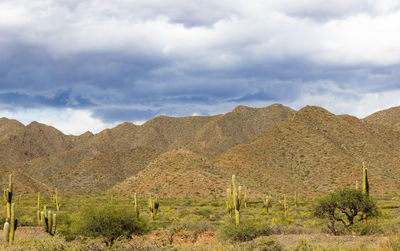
(346, 206)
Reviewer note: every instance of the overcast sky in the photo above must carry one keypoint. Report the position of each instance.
(90, 64)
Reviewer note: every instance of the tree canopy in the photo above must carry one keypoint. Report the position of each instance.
(346, 206)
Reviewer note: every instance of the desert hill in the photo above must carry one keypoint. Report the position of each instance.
(22, 143)
(178, 173)
(315, 151)
(273, 148)
(389, 117)
(65, 161)
(103, 170)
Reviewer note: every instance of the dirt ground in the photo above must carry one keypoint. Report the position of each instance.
(188, 237)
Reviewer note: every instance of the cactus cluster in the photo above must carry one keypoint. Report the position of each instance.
(11, 223)
(153, 207)
(234, 199)
(48, 221)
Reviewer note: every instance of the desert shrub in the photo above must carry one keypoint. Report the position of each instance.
(363, 228)
(108, 222)
(192, 223)
(346, 206)
(266, 244)
(303, 244)
(245, 231)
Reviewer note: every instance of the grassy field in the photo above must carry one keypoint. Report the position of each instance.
(187, 224)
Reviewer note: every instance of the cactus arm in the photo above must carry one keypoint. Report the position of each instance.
(6, 232)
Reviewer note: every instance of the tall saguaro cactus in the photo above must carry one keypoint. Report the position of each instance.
(229, 202)
(237, 199)
(38, 209)
(8, 194)
(365, 180)
(56, 202)
(153, 207)
(10, 227)
(11, 223)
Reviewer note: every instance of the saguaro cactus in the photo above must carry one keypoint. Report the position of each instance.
(56, 202)
(285, 207)
(49, 222)
(135, 206)
(229, 202)
(267, 202)
(237, 199)
(365, 180)
(153, 207)
(10, 227)
(38, 209)
(8, 194)
(245, 197)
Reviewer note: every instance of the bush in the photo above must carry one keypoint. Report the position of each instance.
(346, 206)
(266, 244)
(108, 223)
(245, 231)
(367, 228)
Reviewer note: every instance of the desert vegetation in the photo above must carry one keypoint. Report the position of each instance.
(273, 221)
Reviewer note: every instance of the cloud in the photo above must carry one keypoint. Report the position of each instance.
(132, 60)
(69, 121)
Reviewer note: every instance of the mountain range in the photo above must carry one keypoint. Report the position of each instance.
(275, 148)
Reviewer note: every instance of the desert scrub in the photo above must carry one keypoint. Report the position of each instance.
(192, 223)
(246, 231)
(109, 222)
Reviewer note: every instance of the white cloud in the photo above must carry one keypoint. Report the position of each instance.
(345, 101)
(68, 121)
(359, 31)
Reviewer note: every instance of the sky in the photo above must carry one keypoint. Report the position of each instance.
(82, 65)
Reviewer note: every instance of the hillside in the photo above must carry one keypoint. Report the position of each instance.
(178, 173)
(316, 151)
(389, 118)
(103, 171)
(22, 143)
(72, 161)
(273, 148)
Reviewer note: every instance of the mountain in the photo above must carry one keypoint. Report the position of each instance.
(316, 151)
(389, 118)
(92, 162)
(23, 143)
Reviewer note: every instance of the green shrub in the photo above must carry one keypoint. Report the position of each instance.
(109, 223)
(245, 231)
(303, 244)
(266, 244)
(367, 228)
